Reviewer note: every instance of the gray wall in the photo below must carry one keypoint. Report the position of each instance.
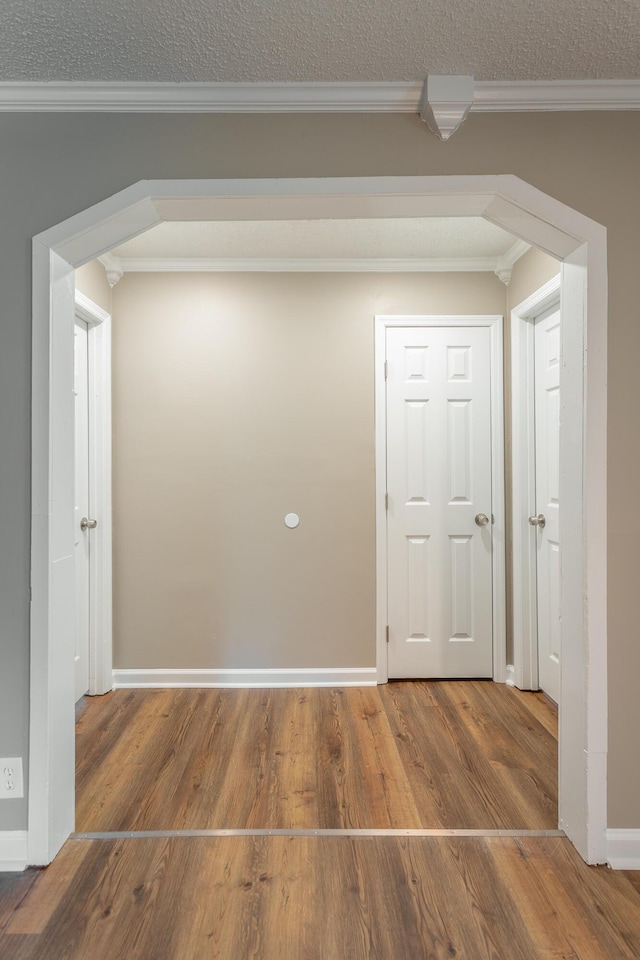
(55, 165)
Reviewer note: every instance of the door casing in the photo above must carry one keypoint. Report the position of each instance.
(505, 200)
(494, 324)
(523, 473)
(81, 505)
(100, 573)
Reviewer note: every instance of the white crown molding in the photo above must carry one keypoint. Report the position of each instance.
(549, 95)
(504, 264)
(300, 265)
(515, 251)
(212, 97)
(446, 101)
(268, 677)
(489, 97)
(112, 267)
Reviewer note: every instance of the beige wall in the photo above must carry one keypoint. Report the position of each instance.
(238, 398)
(91, 280)
(530, 272)
(586, 160)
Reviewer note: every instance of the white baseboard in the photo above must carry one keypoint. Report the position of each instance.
(284, 677)
(510, 675)
(623, 849)
(13, 850)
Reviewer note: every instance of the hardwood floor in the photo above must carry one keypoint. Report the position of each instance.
(283, 898)
(467, 754)
(406, 755)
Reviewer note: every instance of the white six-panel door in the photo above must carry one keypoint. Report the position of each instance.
(82, 538)
(547, 419)
(439, 484)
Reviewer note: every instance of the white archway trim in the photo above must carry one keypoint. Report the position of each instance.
(100, 587)
(525, 613)
(505, 200)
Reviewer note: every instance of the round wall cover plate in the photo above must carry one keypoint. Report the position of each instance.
(292, 520)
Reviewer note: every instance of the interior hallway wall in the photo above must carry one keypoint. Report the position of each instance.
(238, 398)
(530, 272)
(91, 280)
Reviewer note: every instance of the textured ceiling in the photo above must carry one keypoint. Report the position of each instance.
(314, 40)
(444, 238)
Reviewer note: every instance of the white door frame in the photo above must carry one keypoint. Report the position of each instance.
(523, 473)
(494, 323)
(100, 570)
(505, 200)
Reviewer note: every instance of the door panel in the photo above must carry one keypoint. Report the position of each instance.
(438, 479)
(547, 407)
(81, 508)
(418, 575)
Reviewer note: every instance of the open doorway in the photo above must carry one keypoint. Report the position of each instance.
(187, 343)
(535, 359)
(563, 248)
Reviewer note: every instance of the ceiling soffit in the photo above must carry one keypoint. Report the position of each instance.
(341, 245)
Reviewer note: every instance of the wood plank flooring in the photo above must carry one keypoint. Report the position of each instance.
(406, 755)
(467, 754)
(283, 898)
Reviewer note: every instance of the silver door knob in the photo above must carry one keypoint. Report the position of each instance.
(481, 519)
(88, 524)
(538, 521)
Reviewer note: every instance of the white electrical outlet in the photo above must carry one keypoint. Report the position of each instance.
(11, 782)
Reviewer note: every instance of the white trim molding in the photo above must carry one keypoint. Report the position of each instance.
(89, 311)
(13, 850)
(211, 97)
(446, 101)
(488, 97)
(505, 263)
(523, 472)
(314, 264)
(112, 268)
(100, 568)
(505, 200)
(241, 677)
(304, 265)
(543, 96)
(623, 849)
